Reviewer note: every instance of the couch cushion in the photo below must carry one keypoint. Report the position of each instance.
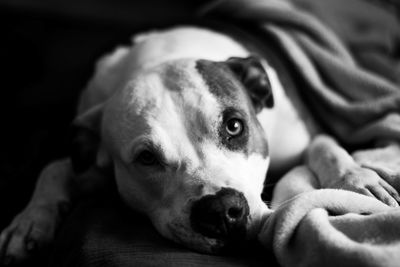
(106, 233)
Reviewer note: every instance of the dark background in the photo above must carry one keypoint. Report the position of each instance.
(48, 49)
(47, 52)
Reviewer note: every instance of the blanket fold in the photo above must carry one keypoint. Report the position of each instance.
(348, 54)
(353, 230)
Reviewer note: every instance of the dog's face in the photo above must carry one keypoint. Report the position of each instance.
(188, 149)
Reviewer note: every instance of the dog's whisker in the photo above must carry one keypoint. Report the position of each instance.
(269, 184)
(280, 204)
(267, 202)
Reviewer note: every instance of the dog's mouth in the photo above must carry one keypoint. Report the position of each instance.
(183, 234)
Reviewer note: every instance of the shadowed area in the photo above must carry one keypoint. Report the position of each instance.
(105, 233)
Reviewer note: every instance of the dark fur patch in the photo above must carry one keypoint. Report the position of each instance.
(253, 76)
(232, 95)
(220, 79)
(234, 143)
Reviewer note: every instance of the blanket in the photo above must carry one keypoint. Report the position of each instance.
(348, 54)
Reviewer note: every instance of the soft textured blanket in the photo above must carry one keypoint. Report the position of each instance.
(348, 54)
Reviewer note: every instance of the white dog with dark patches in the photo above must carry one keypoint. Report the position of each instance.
(189, 120)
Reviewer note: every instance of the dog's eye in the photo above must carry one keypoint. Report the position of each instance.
(147, 157)
(234, 127)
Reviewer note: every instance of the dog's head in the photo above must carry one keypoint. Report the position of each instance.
(187, 148)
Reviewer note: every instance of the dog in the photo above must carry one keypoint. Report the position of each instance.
(189, 120)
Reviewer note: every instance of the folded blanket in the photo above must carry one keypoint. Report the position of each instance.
(348, 54)
(313, 230)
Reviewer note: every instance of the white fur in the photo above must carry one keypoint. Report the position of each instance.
(281, 122)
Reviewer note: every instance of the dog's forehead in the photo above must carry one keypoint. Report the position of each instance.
(175, 86)
(193, 80)
(222, 83)
(198, 89)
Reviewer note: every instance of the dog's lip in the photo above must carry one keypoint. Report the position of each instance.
(227, 246)
(219, 246)
(205, 244)
(197, 241)
(221, 234)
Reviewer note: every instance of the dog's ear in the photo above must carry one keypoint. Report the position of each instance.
(85, 145)
(252, 74)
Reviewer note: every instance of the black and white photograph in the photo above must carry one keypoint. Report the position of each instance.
(225, 133)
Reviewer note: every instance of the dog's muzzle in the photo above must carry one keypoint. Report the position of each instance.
(222, 216)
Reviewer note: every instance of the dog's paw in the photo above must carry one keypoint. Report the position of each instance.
(368, 182)
(30, 231)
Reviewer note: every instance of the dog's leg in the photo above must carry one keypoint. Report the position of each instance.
(34, 228)
(335, 168)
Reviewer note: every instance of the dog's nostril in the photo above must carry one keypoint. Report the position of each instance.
(235, 213)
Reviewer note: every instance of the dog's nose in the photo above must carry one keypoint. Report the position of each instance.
(223, 215)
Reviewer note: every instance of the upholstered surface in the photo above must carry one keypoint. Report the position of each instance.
(103, 232)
